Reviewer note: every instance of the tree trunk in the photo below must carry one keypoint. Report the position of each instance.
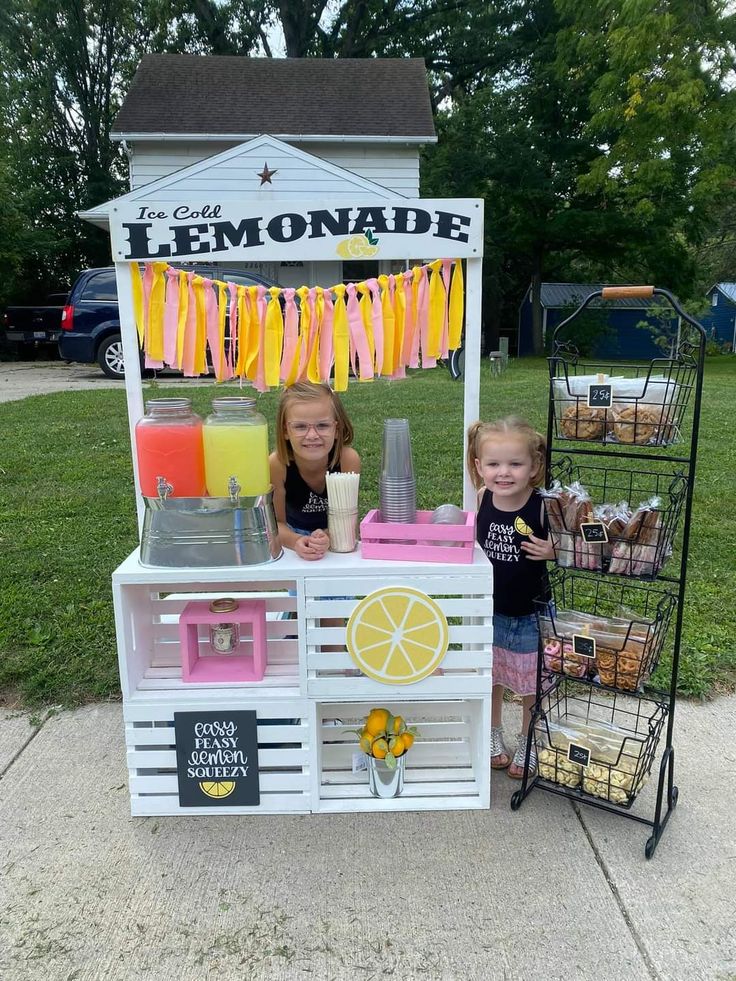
(537, 335)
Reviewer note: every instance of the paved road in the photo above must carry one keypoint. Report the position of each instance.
(89, 893)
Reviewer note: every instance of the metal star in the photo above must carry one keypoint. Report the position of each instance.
(266, 175)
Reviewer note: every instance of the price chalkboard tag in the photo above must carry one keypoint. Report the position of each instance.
(217, 758)
(600, 396)
(583, 645)
(593, 531)
(578, 754)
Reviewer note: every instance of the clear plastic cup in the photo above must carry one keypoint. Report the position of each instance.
(396, 458)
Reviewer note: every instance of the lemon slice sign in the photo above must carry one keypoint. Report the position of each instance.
(217, 788)
(397, 635)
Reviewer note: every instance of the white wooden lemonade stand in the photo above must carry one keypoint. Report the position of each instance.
(311, 694)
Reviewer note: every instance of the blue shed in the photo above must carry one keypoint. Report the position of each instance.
(612, 330)
(720, 320)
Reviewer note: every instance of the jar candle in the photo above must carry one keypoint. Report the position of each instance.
(236, 445)
(168, 442)
(224, 637)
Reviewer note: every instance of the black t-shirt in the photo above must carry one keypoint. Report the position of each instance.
(517, 580)
(305, 509)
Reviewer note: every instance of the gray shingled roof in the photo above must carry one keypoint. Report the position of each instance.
(728, 290)
(281, 96)
(570, 294)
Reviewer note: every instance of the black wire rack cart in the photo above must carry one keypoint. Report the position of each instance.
(627, 432)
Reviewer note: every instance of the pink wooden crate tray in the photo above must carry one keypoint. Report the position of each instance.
(417, 542)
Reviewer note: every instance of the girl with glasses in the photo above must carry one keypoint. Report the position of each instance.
(313, 437)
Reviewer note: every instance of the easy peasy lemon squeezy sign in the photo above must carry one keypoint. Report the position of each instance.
(217, 758)
(289, 230)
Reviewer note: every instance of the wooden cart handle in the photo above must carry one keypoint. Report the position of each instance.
(624, 292)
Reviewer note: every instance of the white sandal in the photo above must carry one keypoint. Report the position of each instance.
(498, 748)
(520, 758)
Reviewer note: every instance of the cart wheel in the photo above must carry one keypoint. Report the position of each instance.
(650, 847)
(516, 800)
(673, 799)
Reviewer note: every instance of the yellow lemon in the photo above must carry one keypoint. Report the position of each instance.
(370, 250)
(408, 738)
(366, 741)
(397, 745)
(399, 725)
(376, 722)
(380, 749)
(217, 788)
(522, 527)
(397, 635)
(353, 247)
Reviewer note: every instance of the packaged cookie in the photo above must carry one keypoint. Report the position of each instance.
(579, 421)
(636, 424)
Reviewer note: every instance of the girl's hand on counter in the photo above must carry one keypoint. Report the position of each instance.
(539, 549)
(312, 547)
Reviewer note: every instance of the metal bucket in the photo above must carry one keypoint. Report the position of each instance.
(384, 782)
(201, 532)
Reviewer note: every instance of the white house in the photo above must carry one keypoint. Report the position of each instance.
(260, 129)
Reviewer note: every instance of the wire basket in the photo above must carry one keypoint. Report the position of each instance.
(606, 629)
(597, 743)
(637, 550)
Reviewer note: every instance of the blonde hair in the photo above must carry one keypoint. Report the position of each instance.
(310, 392)
(479, 432)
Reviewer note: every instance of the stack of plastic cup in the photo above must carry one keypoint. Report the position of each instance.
(397, 488)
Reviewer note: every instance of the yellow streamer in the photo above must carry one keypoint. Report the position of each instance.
(251, 356)
(400, 322)
(319, 312)
(274, 338)
(305, 316)
(137, 289)
(457, 304)
(387, 368)
(436, 310)
(243, 328)
(341, 336)
(200, 356)
(156, 302)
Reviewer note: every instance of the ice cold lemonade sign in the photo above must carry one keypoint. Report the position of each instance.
(217, 758)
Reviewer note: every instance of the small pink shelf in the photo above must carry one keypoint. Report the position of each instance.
(247, 664)
(421, 541)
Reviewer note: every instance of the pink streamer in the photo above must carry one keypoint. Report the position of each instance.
(326, 343)
(171, 316)
(190, 332)
(377, 318)
(212, 327)
(358, 340)
(423, 317)
(410, 322)
(233, 330)
(260, 381)
(291, 333)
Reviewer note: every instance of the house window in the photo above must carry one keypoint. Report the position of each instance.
(358, 270)
(714, 300)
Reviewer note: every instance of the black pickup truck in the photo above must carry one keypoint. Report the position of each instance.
(26, 328)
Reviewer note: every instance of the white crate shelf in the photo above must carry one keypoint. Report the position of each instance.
(447, 768)
(283, 753)
(299, 769)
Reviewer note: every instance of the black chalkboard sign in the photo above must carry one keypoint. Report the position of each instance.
(578, 754)
(593, 531)
(600, 396)
(217, 758)
(583, 645)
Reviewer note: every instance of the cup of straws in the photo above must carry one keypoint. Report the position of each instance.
(342, 511)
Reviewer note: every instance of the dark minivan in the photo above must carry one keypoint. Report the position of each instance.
(90, 323)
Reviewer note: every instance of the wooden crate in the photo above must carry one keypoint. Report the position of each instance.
(464, 597)
(420, 541)
(447, 768)
(283, 751)
(147, 626)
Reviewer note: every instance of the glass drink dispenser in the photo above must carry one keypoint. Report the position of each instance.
(169, 444)
(236, 445)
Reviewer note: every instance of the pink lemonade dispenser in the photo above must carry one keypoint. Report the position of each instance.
(169, 445)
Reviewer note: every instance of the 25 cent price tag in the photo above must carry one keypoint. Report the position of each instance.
(578, 754)
(583, 645)
(600, 396)
(593, 531)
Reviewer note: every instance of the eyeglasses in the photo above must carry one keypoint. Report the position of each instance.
(302, 428)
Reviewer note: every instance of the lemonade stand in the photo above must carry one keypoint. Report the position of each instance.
(318, 645)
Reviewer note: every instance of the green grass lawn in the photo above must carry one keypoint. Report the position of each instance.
(67, 517)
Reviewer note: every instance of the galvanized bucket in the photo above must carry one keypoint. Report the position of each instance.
(383, 781)
(202, 532)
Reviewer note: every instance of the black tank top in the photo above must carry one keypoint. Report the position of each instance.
(305, 509)
(517, 580)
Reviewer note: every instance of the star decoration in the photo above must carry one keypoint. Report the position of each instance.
(266, 175)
